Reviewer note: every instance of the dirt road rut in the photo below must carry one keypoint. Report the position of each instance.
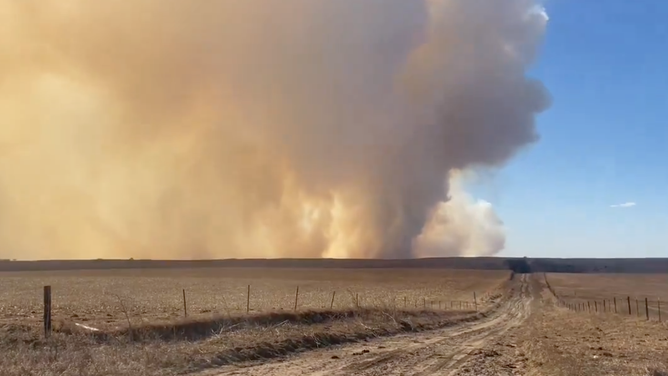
(439, 352)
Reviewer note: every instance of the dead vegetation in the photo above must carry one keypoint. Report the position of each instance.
(135, 336)
(195, 345)
(96, 298)
(608, 290)
(558, 341)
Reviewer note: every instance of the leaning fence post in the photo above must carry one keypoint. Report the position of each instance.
(296, 297)
(248, 300)
(47, 311)
(185, 306)
(646, 309)
(331, 305)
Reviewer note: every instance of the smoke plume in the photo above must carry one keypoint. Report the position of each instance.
(258, 128)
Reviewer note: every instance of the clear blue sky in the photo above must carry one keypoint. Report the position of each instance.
(604, 141)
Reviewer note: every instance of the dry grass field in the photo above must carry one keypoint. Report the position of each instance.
(143, 331)
(583, 288)
(556, 341)
(101, 298)
(521, 327)
(565, 342)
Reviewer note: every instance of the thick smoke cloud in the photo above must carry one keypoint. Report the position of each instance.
(258, 128)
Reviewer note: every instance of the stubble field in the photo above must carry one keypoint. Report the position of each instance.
(142, 328)
(557, 340)
(571, 341)
(616, 291)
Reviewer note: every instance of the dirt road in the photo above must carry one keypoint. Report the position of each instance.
(439, 352)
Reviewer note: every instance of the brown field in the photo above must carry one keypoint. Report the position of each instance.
(589, 288)
(521, 327)
(557, 341)
(98, 297)
(569, 342)
(144, 332)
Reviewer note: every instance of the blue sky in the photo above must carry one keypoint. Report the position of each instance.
(604, 140)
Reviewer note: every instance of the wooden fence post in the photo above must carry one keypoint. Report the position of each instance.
(424, 303)
(331, 305)
(604, 305)
(615, 301)
(647, 309)
(628, 300)
(596, 305)
(405, 302)
(475, 299)
(637, 309)
(47, 311)
(658, 304)
(296, 298)
(588, 306)
(248, 300)
(185, 306)
(357, 300)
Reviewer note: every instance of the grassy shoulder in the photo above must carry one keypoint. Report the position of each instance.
(193, 345)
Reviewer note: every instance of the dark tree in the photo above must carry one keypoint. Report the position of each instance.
(519, 265)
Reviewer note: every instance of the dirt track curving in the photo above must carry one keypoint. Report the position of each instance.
(441, 352)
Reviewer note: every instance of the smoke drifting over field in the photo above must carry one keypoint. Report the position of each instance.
(258, 128)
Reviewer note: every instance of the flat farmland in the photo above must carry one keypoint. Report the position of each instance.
(143, 331)
(102, 298)
(583, 288)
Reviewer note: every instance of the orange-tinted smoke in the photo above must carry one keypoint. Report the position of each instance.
(256, 128)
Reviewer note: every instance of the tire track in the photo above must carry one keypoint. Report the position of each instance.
(442, 351)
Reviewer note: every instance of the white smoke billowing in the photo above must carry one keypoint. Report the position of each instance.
(460, 226)
(258, 128)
